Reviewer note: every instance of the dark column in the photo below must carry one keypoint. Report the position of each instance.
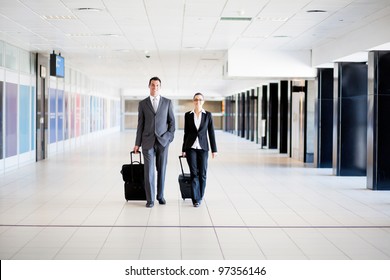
(378, 132)
(283, 129)
(229, 114)
(242, 115)
(273, 116)
(239, 114)
(264, 114)
(324, 119)
(256, 112)
(350, 119)
(247, 115)
(252, 115)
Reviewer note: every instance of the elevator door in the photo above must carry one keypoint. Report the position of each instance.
(297, 125)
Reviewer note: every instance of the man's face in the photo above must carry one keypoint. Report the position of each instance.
(154, 88)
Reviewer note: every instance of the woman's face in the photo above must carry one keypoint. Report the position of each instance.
(198, 101)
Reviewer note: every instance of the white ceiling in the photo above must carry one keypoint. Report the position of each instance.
(186, 39)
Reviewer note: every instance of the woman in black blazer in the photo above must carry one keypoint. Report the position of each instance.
(198, 123)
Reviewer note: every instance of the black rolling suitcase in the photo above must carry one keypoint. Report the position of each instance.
(133, 176)
(184, 182)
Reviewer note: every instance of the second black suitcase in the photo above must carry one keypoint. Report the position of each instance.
(133, 175)
(184, 182)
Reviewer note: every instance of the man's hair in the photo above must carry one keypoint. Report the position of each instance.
(154, 79)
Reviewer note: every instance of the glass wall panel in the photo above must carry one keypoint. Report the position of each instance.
(52, 115)
(24, 61)
(11, 57)
(24, 119)
(32, 118)
(1, 119)
(60, 115)
(11, 118)
(77, 121)
(66, 116)
(82, 114)
(72, 115)
(1, 54)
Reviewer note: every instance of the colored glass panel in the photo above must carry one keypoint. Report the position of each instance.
(11, 117)
(24, 119)
(52, 115)
(60, 115)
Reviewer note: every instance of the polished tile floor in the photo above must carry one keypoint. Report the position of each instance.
(258, 205)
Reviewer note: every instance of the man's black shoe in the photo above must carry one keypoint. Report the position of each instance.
(149, 204)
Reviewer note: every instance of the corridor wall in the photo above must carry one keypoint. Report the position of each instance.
(71, 117)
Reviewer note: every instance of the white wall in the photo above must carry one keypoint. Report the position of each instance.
(269, 64)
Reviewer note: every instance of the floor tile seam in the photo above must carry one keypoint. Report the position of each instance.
(109, 233)
(215, 232)
(66, 241)
(344, 251)
(331, 242)
(144, 237)
(373, 245)
(349, 210)
(294, 242)
(242, 219)
(26, 243)
(201, 226)
(181, 233)
(58, 194)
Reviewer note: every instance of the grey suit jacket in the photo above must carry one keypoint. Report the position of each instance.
(154, 126)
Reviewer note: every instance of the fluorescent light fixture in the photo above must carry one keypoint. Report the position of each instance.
(80, 35)
(58, 17)
(95, 47)
(281, 19)
(92, 35)
(236, 18)
(109, 35)
(89, 9)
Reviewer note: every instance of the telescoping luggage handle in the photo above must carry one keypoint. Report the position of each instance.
(181, 165)
(134, 161)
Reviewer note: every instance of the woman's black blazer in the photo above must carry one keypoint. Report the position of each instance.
(206, 127)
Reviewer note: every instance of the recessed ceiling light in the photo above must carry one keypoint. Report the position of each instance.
(315, 11)
(280, 36)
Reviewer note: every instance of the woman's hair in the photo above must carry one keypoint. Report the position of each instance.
(198, 93)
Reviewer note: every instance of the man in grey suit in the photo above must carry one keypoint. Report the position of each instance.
(155, 131)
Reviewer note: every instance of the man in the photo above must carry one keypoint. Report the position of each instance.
(155, 131)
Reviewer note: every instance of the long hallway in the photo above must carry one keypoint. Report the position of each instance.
(258, 205)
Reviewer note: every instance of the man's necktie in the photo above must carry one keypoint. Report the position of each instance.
(155, 104)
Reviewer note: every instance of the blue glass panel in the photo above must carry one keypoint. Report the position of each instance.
(11, 117)
(24, 122)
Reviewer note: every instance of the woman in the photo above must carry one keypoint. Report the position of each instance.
(197, 124)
